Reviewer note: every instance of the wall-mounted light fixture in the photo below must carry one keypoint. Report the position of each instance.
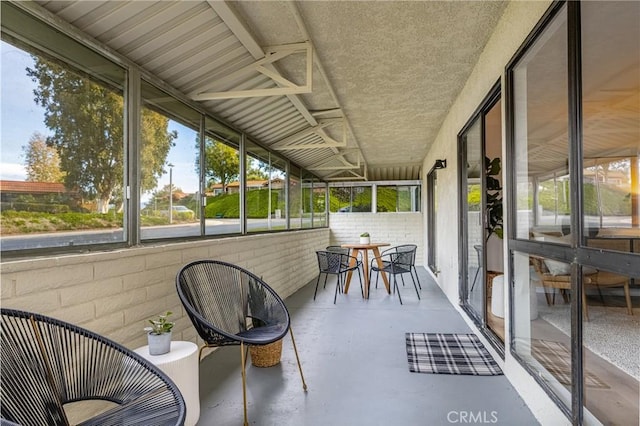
(440, 164)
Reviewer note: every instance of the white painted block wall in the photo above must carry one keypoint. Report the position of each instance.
(392, 228)
(114, 293)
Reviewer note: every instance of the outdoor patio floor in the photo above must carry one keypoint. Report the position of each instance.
(355, 365)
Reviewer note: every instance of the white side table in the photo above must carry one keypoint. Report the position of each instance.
(181, 365)
(497, 296)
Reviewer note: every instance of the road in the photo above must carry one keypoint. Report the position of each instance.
(84, 237)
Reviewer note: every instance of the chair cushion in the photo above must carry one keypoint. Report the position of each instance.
(263, 335)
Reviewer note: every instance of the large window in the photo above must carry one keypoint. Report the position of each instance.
(397, 198)
(266, 178)
(350, 199)
(169, 170)
(63, 148)
(221, 179)
(375, 197)
(94, 154)
(575, 136)
(295, 197)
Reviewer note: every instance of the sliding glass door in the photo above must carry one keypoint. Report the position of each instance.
(480, 148)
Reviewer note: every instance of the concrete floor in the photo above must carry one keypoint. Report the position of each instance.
(355, 365)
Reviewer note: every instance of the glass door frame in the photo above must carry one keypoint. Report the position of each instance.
(480, 319)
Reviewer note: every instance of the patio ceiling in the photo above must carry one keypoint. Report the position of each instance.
(348, 90)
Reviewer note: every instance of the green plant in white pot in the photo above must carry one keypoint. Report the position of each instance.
(365, 238)
(159, 334)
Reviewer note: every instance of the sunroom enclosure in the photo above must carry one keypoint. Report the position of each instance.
(567, 133)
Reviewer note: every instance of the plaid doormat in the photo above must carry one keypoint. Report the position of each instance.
(556, 358)
(439, 353)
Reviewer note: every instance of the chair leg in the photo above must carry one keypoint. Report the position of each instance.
(203, 347)
(318, 282)
(627, 296)
(395, 286)
(335, 295)
(547, 295)
(244, 382)
(474, 279)
(585, 308)
(361, 287)
(414, 284)
(415, 271)
(295, 349)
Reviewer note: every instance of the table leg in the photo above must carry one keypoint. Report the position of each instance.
(376, 253)
(366, 273)
(352, 262)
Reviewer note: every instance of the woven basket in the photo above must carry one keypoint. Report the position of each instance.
(266, 355)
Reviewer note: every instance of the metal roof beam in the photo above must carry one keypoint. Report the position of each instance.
(224, 11)
(288, 143)
(346, 165)
(286, 87)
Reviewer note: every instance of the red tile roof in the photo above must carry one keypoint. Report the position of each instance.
(32, 187)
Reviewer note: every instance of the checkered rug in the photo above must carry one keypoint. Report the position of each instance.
(449, 354)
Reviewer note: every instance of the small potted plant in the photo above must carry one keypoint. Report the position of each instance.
(159, 334)
(364, 238)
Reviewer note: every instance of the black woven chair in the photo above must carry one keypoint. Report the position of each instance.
(339, 249)
(338, 264)
(398, 260)
(47, 363)
(229, 305)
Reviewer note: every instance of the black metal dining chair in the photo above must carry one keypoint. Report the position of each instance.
(398, 260)
(46, 363)
(338, 264)
(229, 305)
(347, 251)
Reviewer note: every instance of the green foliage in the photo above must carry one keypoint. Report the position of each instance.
(42, 162)
(258, 203)
(387, 199)
(341, 197)
(614, 202)
(493, 190)
(224, 205)
(20, 222)
(87, 120)
(474, 198)
(160, 325)
(228, 205)
(222, 163)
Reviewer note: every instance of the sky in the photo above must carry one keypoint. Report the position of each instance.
(21, 117)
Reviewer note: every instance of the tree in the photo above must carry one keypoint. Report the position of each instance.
(41, 161)
(222, 163)
(257, 170)
(86, 119)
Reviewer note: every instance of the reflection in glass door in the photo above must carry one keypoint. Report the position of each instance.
(480, 147)
(472, 229)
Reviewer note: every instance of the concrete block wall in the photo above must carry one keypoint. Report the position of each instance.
(113, 293)
(393, 228)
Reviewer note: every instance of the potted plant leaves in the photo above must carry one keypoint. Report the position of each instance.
(494, 197)
(159, 334)
(264, 355)
(364, 238)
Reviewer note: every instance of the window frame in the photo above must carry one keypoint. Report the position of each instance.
(133, 76)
